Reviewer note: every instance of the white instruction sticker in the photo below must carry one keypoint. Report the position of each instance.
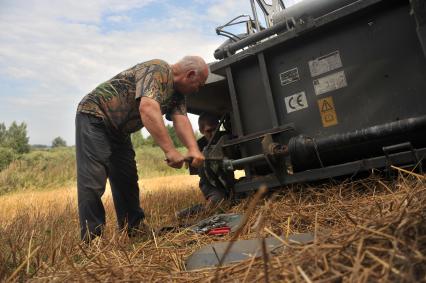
(325, 64)
(289, 76)
(296, 102)
(330, 83)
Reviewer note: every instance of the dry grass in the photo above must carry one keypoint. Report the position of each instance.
(55, 200)
(53, 168)
(365, 231)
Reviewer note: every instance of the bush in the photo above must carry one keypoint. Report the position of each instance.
(137, 139)
(7, 155)
(173, 136)
(15, 137)
(150, 162)
(39, 169)
(59, 142)
(56, 167)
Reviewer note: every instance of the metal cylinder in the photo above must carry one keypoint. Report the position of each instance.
(309, 9)
(231, 165)
(223, 50)
(282, 21)
(307, 153)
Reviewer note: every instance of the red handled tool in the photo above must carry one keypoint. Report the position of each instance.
(220, 231)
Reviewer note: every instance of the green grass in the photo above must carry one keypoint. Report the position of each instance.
(150, 162)
(52, 168)
(39, 169)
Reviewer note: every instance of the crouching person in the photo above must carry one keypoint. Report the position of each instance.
(213, 194)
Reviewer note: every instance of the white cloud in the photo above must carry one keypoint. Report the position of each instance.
(118, 19)
(223, 10)
(63, 52)
(60, 50)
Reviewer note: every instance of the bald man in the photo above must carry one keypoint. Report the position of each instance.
(135, 98)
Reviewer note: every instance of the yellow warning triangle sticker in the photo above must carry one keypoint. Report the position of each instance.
(326, 106)
(327, 112)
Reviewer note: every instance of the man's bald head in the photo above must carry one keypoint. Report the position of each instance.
(196, 63)
(189, 74)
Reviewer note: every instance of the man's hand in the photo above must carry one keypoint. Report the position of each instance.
(174, 159)
(196, 156)
(186, 135)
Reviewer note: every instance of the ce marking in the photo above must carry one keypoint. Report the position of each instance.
(296, 102)
(299, 101)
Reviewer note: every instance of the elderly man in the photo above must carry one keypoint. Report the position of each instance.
(135, 98)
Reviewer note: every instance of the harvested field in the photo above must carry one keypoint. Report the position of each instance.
(367, 230)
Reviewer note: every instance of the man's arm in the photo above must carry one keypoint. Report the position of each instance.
(152, 119)
(186, 135)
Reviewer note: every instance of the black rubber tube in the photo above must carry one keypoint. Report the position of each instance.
(307, 153)
(223, 50)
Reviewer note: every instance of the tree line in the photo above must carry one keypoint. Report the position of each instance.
(14, 141)
(138, 140)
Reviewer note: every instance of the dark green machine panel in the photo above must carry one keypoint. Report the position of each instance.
(360, 68)
(371, 66)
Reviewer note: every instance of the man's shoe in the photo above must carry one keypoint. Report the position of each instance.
(143, 231)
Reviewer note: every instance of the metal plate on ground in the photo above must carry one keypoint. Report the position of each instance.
(210, 255)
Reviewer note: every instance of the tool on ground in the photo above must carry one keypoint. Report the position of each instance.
(220, 231)
(220, 222)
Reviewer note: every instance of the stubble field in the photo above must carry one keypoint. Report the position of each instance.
(369, 230)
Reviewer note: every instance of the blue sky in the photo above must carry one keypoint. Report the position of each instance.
(54, 52)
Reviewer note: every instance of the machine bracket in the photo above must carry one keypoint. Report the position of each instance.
(401, 147)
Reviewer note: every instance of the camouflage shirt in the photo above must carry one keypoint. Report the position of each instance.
(117, 100)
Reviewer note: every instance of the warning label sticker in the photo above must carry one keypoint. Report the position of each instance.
(325, 64)
(289, 76)
(327, 112)
(330, 83)
(296, 102)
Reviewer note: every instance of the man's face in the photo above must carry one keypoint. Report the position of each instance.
(208, 131)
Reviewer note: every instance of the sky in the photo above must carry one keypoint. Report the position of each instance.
(54, 52)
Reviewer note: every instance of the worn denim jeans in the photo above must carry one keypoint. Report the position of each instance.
(100, 155)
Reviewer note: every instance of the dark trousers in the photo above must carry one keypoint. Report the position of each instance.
(212, 194)
(101, 156)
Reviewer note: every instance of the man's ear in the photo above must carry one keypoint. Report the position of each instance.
(191, 75)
